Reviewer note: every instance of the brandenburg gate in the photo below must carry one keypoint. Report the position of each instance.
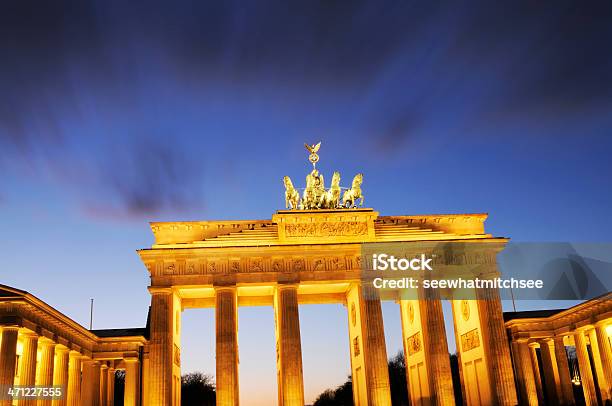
(318, 250)
(312, 253)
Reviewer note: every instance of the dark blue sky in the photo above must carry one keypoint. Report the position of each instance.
(115, 114)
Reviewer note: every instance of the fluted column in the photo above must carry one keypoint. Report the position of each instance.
(605, 352)
(132, 382)
(90, 389)
(110, 386)
(44, 373)
(602, 381)
(73, 393)
(551, 374)
(289, 346)
(496, 346)
(536, 371)
(103, 384)
(526, 377)
(8, 358)
(226, 314)
(588, 385)
(161, 348)
(566, 394)
(60, 374)
(27, 365)
(374, 348)
(436, 348)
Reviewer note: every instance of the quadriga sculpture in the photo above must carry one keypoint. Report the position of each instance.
(354, 193)
(292, 197)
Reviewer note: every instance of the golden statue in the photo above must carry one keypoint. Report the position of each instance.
(313, 149)
(332, 196)
(315, 196)
(354, 193)
(292, 196)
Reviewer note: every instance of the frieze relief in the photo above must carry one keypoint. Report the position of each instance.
(441, 258)
(470, 340)
(326, 229)
(278, 265)
(234, 265)
(298, 264)
(218, 266)
(177, 355)
(190, 268)
(413, 343)
(256, 265)
(318, 264)
(337, 263)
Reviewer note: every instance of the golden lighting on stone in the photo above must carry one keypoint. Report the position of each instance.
(312, 254)
(315, 196)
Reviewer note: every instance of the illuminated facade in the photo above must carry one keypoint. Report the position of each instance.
(312, 253)
(296, 258)
(41, 346)
(314, 256)
(540, 341)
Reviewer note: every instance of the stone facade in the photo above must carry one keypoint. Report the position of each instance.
(586, 329)
(39, 345)
(302, 257)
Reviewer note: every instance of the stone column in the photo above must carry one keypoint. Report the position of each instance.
(526, 378)
(103, 384)
(586, 376)
(132, 382)
(27, 365)
(436, 348)
(73, 392)
(289, 346)
(90, 390)
(374, 348)
(566, 394)
(60, 373)
(227, 346)
(536, 371)
(8, 358)
(602, 381)
(551, 374)
(110, 386)
(44, 373)
(605, 352)
(161, 347)
(496, 346)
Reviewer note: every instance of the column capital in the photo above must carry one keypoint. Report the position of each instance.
(558, 338)
(10, 327)
(75, 354)
(603, 322)
(160, 290)
(521, 338)
(46, 342)
(131, 359)
(225, 288)
(28, 334)
(87, 360)
(282, 286)
(61, 348)
(533, 344)
(581, 329)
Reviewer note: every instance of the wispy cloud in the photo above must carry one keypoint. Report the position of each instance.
(111, 100)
